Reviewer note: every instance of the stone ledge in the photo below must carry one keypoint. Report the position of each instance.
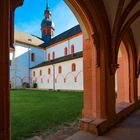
(91, 125)
(100, 126)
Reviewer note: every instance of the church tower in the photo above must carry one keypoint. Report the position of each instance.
(47, 26)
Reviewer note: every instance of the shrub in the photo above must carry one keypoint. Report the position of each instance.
(25, 85)
(34, 85)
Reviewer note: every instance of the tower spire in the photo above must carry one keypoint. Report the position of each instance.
(47, 4)
(47, 26)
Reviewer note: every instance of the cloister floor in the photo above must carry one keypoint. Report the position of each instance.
(128, 129)
(34, 112)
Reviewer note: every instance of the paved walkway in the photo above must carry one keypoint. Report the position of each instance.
(129, 129)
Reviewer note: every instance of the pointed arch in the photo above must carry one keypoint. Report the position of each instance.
(69, 73)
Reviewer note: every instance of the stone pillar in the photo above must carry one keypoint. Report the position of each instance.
(95, 111)
(88, 79)
(133, 90)
(4, 70)
(139, 87)
(94, 81)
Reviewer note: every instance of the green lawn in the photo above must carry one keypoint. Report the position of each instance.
(33, 112)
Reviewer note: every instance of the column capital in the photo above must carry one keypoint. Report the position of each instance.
(113, 68)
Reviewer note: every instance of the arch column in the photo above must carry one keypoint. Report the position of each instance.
(99, 102)
(94, 96)
(89, 78)
(4, 70)
(7, 38)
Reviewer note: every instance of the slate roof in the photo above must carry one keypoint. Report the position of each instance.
(60, 59)
(71, 32)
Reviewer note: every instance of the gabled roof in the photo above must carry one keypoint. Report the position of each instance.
(27, 38)
(61, 59)
(71, 32)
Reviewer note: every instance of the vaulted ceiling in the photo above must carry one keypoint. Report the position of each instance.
(124, 15)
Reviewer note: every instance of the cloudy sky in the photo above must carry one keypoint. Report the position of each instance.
(28, 17)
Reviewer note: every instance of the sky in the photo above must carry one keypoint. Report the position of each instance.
(29, 16)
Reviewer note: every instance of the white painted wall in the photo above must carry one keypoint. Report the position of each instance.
(47, 78)
(77, 42)
(21, 63)
(67, 74)
(59, 48)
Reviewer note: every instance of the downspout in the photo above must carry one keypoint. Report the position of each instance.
(29, 48)
(69, 47)
(14, 66)
(53, 77)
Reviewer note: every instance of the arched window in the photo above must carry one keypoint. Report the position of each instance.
(40, 72)
(53, 55)
(33, 73)
(73, 67)
(48, 56)
(32, 57)
(65, 51)
(59, 69)
(72, 49)
(49, 71)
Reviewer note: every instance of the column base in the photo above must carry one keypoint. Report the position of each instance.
(94, 126)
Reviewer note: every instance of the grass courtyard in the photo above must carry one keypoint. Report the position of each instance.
(33, 112)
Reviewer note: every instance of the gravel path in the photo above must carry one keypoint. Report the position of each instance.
(63, 131)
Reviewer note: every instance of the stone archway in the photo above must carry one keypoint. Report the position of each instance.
(122, 76)
(127, 82)
(99, 68)
(94, 60)
(96, 33)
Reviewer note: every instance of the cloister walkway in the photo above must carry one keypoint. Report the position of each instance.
(128, 129)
